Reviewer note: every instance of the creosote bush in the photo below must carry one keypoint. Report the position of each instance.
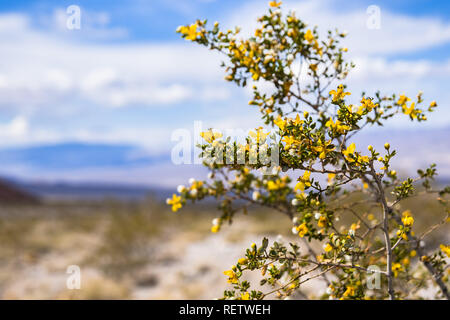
(307, 107)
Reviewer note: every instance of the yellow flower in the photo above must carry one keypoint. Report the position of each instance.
(433, 104)
(280, 123)
(292, 18)
(330, 177)
(290, 140)
(245, 296)
(367, 105)
(337, 127)
(291, 32)
(411, 111)
(196, 185)
(175, 202)
(358, 158)
(215, 228)
(302, 229)
(258, 33)
(445, 249)
(323, 149)
(339, 94)
(413, 253)
(406, 261)
(349, 151)
(300, 186)
(322, 222)
(275, 4)
(362, 159)
(403, 99)
(309, 36)
(407, 219)
(303, 181)
(317, 48)
(297, 120)
(255, 74)
(396, 268)
(313, 67)
(210, 136)
(259, 135)
(349, 292)
(275, 185)
(190, 32)
(242, 261)
(232, 277)
(327, 247)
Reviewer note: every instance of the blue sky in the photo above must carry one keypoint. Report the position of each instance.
(154, 20)
(126, 77)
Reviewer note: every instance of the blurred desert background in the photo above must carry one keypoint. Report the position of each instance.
(87, 117)
(126, 250)
(138, 249)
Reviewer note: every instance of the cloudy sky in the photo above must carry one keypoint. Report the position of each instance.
(126, 77)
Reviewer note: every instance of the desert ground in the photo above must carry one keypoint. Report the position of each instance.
(138, 250)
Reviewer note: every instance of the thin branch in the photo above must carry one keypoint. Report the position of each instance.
(386, 210)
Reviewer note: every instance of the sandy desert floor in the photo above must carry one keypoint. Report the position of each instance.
(128, 250)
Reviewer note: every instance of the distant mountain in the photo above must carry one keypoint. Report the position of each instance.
(64, 168)
(92, 191)
(12, 194)
(415, 148)
(75, 156)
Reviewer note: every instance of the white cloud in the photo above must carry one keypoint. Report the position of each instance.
(17, 128)
(44, 70)
(148, 95)
(98, 78)
(398, 33)
(14, 22)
